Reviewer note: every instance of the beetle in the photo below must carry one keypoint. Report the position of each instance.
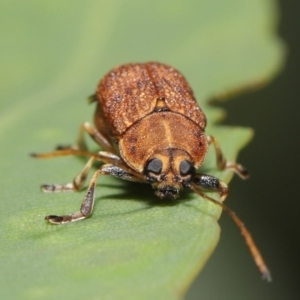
(151, 130)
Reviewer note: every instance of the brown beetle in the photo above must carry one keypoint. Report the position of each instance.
(151, 129)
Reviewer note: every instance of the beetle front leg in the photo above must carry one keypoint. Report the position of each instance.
(223, 164)
(89, 199)
(86, 206)
(211, 183)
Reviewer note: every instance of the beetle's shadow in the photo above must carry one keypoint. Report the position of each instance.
(128, 191)
(132, 191)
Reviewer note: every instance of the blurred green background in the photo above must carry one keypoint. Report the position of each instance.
(47, 61)
(269, 201)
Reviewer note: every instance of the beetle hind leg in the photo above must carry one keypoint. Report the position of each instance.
(223, 164)
(97, 136)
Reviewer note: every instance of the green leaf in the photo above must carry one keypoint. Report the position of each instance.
(52, 55)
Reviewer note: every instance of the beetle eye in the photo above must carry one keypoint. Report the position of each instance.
(186, 167)
(154, 166)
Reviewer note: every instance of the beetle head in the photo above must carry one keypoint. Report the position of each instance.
(169, 171)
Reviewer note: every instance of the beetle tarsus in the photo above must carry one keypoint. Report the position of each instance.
(55, 219)
(238, 169)
(54, 188)
(267, 276)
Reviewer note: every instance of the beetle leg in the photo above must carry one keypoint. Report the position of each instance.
(97, 136)
(63, 152)
(118, 172)
(86, 206)
(119, 169)
(77, 183)
(211, 183)
(89, 199)
(222, 163)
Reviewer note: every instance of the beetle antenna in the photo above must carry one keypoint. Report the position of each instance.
(259, 261)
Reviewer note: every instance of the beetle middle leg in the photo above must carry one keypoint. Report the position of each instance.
(79, 180)
(222, 163)
(76, 185)
(89, 199)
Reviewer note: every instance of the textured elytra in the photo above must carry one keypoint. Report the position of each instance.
(130, 92)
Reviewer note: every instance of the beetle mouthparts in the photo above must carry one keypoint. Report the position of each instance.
(168, 191)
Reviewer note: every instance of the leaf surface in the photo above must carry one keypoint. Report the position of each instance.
(52, 55)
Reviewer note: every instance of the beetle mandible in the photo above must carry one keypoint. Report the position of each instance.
(152, 130)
